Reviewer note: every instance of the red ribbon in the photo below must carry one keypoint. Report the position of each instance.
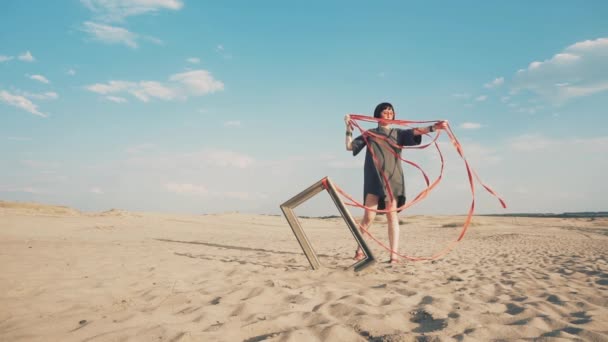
(429, 185)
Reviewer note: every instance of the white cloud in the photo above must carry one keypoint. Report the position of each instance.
(40, 78)
(241, 195)
(531, 142)
(198, 82)
(476, 151)
(20, 102)
(470, 125)
(461, 96)
(538, 142)
(5, 58)
(581, 69)
(26, 189)
(180, 86)
(193, 60)
(206, 159)
(529, 109)
(186, 188)
(497, 82)
(110, 87)
(232, 123)
(201, 190)
(117, 10)
(96, 190)
(116, 99)
(147, 89)
(226, 158)
(71, 72)
(153, 40)
(222, 51)
(481, 98)
(111, 34)
(26, 57)
(49, 95)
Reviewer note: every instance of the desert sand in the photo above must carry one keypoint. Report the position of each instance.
(121, 276)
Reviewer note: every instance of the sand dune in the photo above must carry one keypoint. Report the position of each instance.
(115, 276)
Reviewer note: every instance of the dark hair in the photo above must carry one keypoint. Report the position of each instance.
(381, 107)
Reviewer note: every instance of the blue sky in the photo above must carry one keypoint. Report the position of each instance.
(200, 107)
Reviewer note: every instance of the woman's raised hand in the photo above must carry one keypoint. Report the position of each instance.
(441, 124)
(349, 126)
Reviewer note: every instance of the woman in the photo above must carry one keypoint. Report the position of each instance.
(375, 191)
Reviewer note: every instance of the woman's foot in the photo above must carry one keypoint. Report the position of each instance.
(394, 260)
(359, 255)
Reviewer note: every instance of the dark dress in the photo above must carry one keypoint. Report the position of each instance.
(373, 182)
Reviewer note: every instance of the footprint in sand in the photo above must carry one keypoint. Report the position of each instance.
(426, 321)
(580, 317)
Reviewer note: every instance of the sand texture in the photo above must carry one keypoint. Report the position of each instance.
(123, 276)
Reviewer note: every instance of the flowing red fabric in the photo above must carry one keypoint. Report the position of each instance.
(429, 185)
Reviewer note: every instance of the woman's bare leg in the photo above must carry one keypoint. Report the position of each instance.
(371, 201)
(393, 230)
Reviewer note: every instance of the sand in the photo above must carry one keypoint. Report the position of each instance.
(118, 276)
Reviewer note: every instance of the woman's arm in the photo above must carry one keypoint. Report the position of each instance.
(429, 129)
(349, 133)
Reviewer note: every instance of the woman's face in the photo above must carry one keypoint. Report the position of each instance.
(387, 113)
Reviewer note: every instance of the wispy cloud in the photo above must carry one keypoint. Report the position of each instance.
(206, 158)
(461, 95)
(110, 87)
(186, 188)
(20, 102)
(116, 99)
(222, 51)
(71, 72)
(26, 189)
(110, 34)
(481, 98)
(26, 57)
(143, 90)
(531, 142)
(227, 158)
(49, 95)
(497, 82)
(97, 190)
(193, 60)
(470, 125)
(118, 10)
(40, 78)
(198, 82)
(5, 58)
(232, 123)
(201, 190)
(581, 69)
(147, 89)
(179, 86)
(240, 195)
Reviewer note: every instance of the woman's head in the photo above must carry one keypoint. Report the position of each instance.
(384, 106)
